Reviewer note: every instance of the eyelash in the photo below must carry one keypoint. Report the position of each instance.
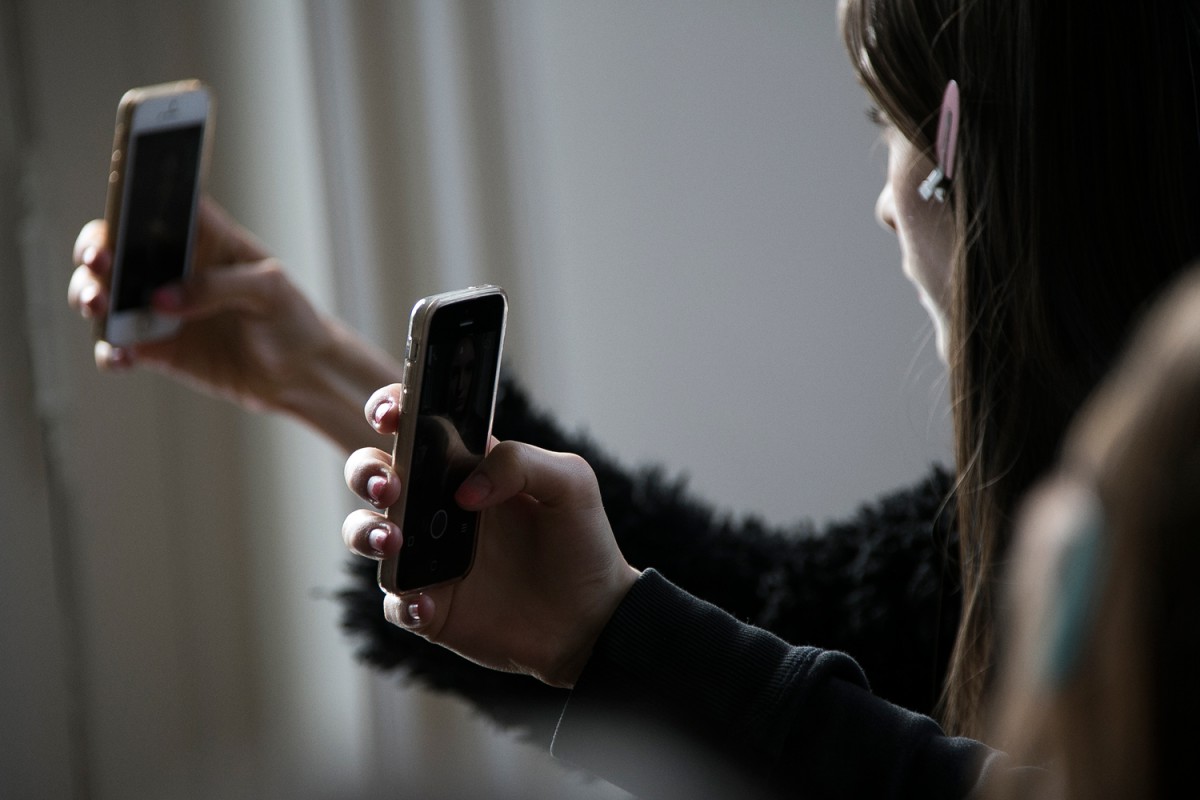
(876, 116)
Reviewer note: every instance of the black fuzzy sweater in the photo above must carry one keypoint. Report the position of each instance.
(881, 586)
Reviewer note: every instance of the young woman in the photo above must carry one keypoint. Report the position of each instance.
(1100, 677)
(1072, 200)
(1042, 256)
(1041, 252)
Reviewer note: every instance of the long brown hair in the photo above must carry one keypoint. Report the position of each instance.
(1076, 197)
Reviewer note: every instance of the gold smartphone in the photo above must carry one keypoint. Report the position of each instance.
(159, 157)
(451, 372)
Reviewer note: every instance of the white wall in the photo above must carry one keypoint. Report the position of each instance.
(723, 299)
(678, 196)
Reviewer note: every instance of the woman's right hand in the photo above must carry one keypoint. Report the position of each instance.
(248, 334)
(245, 325)
(547, 574)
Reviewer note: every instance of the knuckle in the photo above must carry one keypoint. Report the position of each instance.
(574, 469)
(90, 235)
(355, 528)
(576, 464)
(273, 275)
(507, 456)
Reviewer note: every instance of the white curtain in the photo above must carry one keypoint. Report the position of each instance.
(677, 196)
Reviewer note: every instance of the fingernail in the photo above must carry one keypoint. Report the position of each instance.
(87, 301)
(475, 489)
(413, 613)
(375, 487)
(120, 358)
(101, 260)
(88, 256)
(381, 411)
(378, 539)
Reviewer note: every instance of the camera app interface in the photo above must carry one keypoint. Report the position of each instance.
(157, 211)
(453, 425)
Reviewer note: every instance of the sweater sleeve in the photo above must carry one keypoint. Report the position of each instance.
(679, 699)
(878, 586)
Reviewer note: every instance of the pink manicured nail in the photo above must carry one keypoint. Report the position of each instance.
(381, 411)
(87, 301)
(413, 611)
(375, 487)
(475, 489)
(120, 358)
(88, 256)
(168, 298)
(378, 539)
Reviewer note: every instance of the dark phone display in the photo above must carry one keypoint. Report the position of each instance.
(454, 416)
(153, 249)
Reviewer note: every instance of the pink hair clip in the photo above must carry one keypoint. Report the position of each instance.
(938, 181)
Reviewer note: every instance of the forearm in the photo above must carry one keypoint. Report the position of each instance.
(330, 390)
(682, 700)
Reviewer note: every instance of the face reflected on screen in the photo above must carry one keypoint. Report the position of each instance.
(461, 379)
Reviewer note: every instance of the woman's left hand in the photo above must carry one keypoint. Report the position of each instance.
(547, 574)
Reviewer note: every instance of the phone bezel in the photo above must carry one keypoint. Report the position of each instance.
(421, 322)
(146, 110)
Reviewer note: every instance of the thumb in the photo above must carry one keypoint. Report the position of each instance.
(555, 480)
(251, 287)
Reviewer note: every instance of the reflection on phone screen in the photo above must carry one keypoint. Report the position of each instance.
(158, 208)
(452, 429)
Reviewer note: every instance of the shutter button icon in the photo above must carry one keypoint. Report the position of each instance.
(437, 525)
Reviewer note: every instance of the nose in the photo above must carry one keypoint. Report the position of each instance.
(885, 208)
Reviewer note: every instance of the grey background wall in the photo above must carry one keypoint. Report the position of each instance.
(678, 196)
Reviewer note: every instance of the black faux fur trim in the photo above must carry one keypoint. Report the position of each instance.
(881, 586)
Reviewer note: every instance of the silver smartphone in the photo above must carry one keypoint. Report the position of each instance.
(154, 186)
(451, 372)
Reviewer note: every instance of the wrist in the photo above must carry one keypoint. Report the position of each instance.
(332, 387)
(572, 667)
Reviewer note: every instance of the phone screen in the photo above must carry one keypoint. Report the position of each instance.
(158, 209)
(454, 415)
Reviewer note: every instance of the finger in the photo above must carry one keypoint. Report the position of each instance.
(112, 359)
(412, 611)
(369, 475)
(86, 295)
(383, 408)
(371, 535)
(512, 468)
(91, 247)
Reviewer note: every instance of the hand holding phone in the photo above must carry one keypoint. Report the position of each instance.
(451, 370)
(158, 162)
(545, 573)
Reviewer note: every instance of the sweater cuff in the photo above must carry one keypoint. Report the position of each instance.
(678, 690)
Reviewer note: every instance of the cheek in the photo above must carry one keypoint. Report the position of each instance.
(927, 232)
